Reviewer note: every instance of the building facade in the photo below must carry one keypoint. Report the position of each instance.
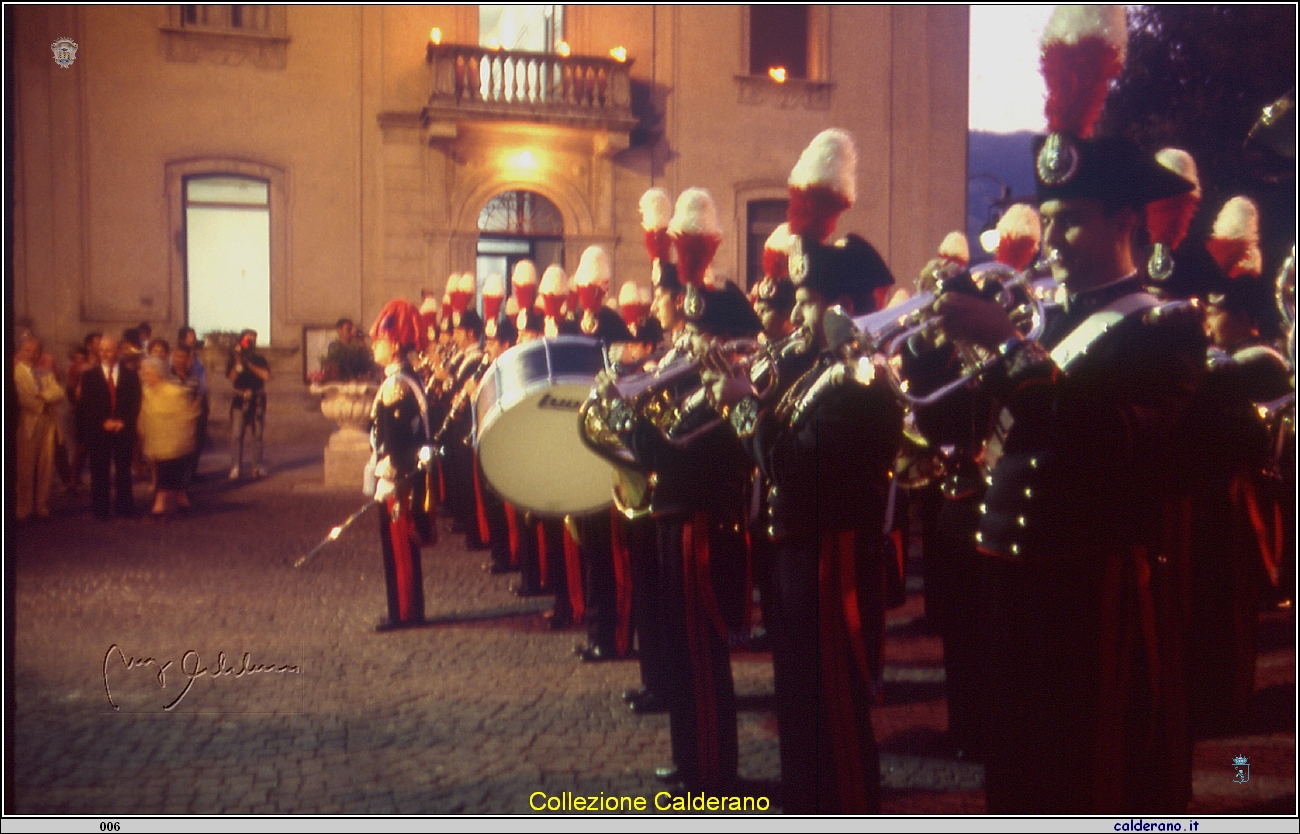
(314, 162)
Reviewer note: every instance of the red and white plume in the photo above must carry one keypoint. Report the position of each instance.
(696, 234)
(461, 291)
(1234, 243)
(592, 277)
(554, 290)
(1082, 52)
(822, 184)
(445, 310)
(776, 253)
(656, 212)
(633, 302)
(1019, 233)
(1168, 219)
(955, 250)
(494, 295)
(523, 284)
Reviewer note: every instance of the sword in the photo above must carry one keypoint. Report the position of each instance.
(335, 533)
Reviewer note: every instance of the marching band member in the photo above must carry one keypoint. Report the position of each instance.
(454, 435)
(697, 505)
(1167, 221)
(553, 296)
(400, 431)
(827, 448)
(1081, 595)
(602, 590)
(523, 287)
(1236, 536)
(532, 572)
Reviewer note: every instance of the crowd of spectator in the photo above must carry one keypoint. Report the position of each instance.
(128, 409)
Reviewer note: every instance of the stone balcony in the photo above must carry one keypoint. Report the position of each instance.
(473, 83)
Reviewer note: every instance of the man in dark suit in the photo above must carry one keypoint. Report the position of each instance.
(107, 414)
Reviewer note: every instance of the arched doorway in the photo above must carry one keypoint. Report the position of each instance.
(515, 226)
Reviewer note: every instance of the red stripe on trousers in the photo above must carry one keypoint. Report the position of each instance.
(840, 637)
(622, 582)
(695, 549)
(573, 572)
(401, 531)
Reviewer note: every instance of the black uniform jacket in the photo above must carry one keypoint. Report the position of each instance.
(828, 458)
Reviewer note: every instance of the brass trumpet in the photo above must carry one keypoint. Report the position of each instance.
(1026, 296)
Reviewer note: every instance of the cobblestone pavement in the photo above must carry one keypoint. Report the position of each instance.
(470, 716)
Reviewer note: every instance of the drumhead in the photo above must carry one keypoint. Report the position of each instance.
(528, 437)
(533, 456)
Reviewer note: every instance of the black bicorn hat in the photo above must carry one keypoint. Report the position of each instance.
(851, 269)
(470, 320)
(721, 311)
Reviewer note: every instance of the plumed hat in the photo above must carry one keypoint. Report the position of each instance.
(776, 253)
(656, 212)
(851, 269)
(1169, 218)
(1083, 50)
(1020, 231)
(494, 294)
(400, 322)
(822, 185)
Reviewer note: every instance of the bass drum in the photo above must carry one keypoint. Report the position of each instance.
(528, 437)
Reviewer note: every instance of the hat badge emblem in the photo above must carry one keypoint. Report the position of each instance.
(797, 261)
(694, 304)
(1058, 160)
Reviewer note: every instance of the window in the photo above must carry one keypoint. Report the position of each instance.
(778, 38)
(240, 18)
(521, 28)
(228, 254)
(228, 35)
(762, 218)
(516, 226)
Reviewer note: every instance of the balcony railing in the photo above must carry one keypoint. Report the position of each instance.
(531, 85)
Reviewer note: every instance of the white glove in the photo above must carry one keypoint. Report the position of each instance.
(384, 489)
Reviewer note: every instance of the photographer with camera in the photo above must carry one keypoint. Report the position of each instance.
(249, 371)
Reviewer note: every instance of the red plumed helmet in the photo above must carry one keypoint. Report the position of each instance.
(400, 322)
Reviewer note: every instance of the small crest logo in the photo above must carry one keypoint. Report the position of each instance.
(797, 261)
(1058, 160)
(1241, 770)
(694, 304)
(65, 52)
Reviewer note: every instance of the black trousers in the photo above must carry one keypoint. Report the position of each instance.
(600, 593)
(111, 452)
(830, 763)
(647, 602)
(700, 691)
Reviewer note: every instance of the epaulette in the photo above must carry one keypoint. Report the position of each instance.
(392, 391)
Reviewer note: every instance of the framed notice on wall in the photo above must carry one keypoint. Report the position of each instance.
(316, 340)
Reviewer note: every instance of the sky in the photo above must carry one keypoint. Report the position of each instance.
(1006, 90)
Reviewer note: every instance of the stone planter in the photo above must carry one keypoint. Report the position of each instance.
(347, 405)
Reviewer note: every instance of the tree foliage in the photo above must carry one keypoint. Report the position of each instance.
(1198, 77)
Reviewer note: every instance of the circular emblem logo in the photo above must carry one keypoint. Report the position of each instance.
(1058, 160)
(694, 304)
